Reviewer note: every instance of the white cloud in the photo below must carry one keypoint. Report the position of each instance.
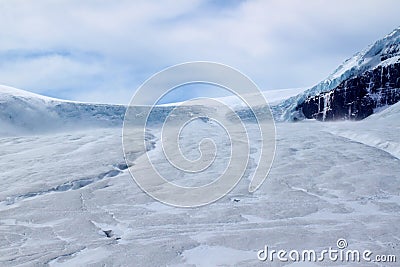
(279, 44)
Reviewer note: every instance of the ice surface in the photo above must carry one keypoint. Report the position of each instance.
(67, 198)
(205, 256)
(322, 187)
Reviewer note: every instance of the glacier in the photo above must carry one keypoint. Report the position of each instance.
(67, 198)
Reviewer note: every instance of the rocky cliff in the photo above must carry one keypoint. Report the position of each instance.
(359, 86)
(358, 97)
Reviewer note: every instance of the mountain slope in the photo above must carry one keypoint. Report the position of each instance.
(391, 114)
(383, 52)
(384, 135)
(357, 98)
(22, 112)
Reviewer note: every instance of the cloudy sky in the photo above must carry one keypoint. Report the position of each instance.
(102, 51)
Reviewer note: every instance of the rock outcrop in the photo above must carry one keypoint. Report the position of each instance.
(358, 97)
(362, 83)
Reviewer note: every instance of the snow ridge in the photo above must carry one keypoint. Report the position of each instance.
(23, 112)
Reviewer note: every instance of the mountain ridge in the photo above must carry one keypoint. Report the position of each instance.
(382, 51)
(23, 112)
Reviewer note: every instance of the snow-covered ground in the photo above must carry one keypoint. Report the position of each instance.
(67, 199)
(380, 130)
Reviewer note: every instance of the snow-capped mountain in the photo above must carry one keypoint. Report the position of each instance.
(367, 82)
(357, 97)
(24, 112)
(381, 55)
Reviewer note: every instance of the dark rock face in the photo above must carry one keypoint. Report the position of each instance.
(356, 98)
